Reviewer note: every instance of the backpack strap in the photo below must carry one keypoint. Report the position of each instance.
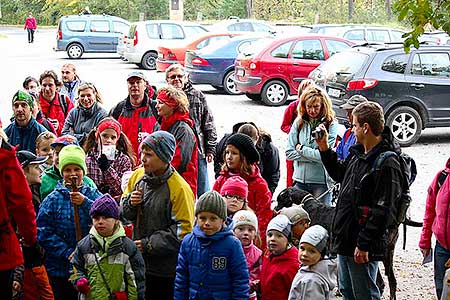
(63, 103)
(441, 179)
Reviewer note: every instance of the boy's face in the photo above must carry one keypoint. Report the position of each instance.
(33, 174)
(299, 228)
(209, 223)
(245, 233)
(45, 149)
(277, 242)
(308, 255)
(152, 163)
(74, 171)
(105, 226)
(234, 203)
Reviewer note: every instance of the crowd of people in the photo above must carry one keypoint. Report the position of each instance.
(118, 205)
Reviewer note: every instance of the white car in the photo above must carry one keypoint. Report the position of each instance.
(146, 36)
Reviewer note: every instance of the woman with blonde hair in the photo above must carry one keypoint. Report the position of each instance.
(173, 108)
(86, 115)
(309, 173)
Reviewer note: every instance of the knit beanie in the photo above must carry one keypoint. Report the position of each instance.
(245, 145)
(105, 206)
(235, 186)
(316, 236)
(23, 96)
(162, 143)
(212, 202)
(108, 123)
(295, 213)
(280, 223)
(72, 155)
(245, 217)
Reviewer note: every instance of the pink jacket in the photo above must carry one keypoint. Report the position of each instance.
(253, 255)
(437, 213)
(30, 23)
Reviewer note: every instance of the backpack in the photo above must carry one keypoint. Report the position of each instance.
(409, 172)
(63, 103)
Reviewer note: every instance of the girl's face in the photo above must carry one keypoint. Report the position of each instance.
(44, 148)
(33, 174)
(73, 171)
(313, 109)
(308, 255)
(105, 226)
(234, 203)
(86, 97)
(277, 243)
(232, 158)
(56, 151)
(245, 233)
(209, 223)
(108, 137)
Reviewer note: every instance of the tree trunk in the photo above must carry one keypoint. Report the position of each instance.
(351, 8)
(388, 9)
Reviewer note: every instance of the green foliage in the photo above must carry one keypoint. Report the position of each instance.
(421, 14)
(214, 9)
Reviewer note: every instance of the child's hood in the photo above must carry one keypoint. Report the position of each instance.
(105, 242)
(326, 269)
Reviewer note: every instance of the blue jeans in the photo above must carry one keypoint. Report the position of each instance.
(357, 281)
(441, 255)
(316, 189)
(202, 178)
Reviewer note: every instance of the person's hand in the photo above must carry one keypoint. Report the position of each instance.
(103, 163)
(298, 147)
(16, 286)
(425, 251)
(361, 257)
(323, 141)
(139, 244)
(209, 158)
(136, 197)
(83, 285)
(77, 198)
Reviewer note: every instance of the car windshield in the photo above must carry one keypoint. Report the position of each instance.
(256, 47)
(340, 67)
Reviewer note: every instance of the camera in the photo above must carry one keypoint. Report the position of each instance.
(317, 133)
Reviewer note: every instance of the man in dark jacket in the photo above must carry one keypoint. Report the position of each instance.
(366, 204)
(135, 113)
(204, 127)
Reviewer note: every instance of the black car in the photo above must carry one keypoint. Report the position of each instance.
(413, 88)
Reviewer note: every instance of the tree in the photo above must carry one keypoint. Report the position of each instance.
(420, 14)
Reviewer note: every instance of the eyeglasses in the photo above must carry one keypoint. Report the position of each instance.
(179, 76)
(232, 197)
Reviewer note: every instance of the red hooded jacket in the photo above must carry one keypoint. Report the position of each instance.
(54, 109)
(15, 203)
(259, 197)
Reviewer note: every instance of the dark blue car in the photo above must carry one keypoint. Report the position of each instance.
(214, 64)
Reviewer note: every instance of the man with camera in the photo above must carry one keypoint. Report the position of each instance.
(364, 207)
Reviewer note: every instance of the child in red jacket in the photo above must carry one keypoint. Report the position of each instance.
(280, 262)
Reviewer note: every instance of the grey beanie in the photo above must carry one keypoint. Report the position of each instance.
(163, 144)
(316, 236)
(282, 224)
(212, 202)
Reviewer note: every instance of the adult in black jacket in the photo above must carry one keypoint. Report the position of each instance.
(365, 208)
(269, 165)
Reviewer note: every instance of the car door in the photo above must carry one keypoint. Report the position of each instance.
(100, 36)
(119, 29)
(429, 80)
(277, 61)
(307, 54)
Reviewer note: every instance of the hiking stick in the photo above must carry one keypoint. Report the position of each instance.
(76, 213)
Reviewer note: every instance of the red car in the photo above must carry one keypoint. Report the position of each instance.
(168, 56)
(272, 70)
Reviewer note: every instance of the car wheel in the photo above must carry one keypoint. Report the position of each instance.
(75, 50)
(254, 97)
(274, 93)
(149, 61)
(405, 124)
(228, 84)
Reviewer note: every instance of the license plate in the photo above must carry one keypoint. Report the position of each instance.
(160, 55)
(240, 72)
(335, 93)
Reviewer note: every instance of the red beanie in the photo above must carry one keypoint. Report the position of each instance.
(235, 186)
(108, 123)
(165, 98)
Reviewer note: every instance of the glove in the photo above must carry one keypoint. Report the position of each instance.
(33, 255)
(103, 163)
(83, 285)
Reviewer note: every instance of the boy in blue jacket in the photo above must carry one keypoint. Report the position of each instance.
(211, 262)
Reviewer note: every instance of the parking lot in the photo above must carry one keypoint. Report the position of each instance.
(20, 59)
